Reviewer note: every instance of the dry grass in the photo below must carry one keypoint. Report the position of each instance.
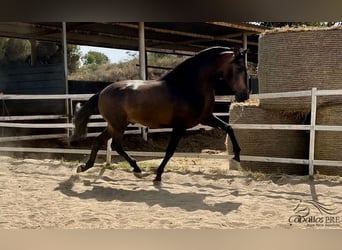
(330, 178)
(108, 72)
(250, 102)
(300, 29)
(124, 70)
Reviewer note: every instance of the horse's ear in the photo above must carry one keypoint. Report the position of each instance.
(244, 52)
(237, 51)
(240, 53)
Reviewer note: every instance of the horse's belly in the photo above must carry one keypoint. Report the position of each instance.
(149, 109)
(150, 115)
(161, 114)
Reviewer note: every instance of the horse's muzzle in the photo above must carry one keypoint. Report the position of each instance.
(241, 97)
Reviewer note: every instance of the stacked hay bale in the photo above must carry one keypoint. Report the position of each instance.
(269, 143)
(328, 144)
(299, 59)
(294, 60)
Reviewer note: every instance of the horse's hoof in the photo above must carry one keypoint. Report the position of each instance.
(157, 183)
(234, 164)
(79, 169)
(236, 158)
(138, 175)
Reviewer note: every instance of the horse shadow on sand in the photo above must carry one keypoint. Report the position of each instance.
(189, 201)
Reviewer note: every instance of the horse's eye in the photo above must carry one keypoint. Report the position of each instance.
(220, 77)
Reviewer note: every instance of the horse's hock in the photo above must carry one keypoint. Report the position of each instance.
(270, 143)
(299, 59)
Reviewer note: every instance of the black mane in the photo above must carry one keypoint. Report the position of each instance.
(189, 68)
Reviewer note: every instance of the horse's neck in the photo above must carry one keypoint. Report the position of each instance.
(195, 76)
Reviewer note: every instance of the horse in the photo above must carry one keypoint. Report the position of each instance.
(181, 99)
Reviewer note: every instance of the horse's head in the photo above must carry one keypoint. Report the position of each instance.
(232, 72)
(219, 67)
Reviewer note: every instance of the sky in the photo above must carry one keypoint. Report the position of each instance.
(114, 55)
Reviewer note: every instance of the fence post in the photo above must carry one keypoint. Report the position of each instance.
(65, 62)
(143, 63)
(312, 131)
(109, 152)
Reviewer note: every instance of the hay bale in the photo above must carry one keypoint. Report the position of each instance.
(270, 143)
(299, 59)
(328, 144)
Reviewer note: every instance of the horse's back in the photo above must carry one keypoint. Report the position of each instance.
(152, 103)
(145, 102)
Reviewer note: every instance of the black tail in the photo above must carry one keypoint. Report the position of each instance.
(82, 117)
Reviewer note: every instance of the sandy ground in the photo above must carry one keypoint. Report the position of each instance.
(195, 193)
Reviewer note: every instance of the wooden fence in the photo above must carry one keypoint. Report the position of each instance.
(7, 121)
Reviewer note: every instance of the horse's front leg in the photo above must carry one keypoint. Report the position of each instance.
(215, 122)
(176, 135)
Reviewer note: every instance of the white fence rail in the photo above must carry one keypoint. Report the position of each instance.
(23, 122)
(314, 93)
(7, 121)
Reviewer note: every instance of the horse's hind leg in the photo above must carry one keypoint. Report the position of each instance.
(98, 142)
(117, 145)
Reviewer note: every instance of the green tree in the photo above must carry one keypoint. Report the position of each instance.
(49, 53)
(52, 53)
(93, 57)
(2, 48)
(13, 50)
(74, 55)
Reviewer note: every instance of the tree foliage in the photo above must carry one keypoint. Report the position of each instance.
(74, 55)
(14, 50)
(94, 57)
(18, 51)
(52, 53)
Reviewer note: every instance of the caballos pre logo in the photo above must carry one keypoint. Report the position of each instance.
(314, 213)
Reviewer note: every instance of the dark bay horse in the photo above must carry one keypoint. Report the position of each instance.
(181, 99)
